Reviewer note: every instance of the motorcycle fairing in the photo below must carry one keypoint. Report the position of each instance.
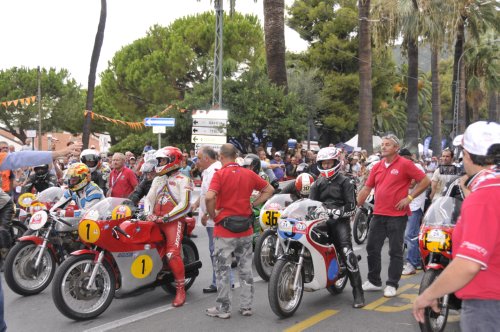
(137, 269)
(141, 232)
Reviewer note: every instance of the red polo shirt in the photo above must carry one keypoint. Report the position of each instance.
(391, 185)
(476, 237)
(122, 183)
(234, 185)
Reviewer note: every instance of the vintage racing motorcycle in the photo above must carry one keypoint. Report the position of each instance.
(266, 247)
(124, 257)
(309, 261)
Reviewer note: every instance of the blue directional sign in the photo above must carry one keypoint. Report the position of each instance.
(165, 122)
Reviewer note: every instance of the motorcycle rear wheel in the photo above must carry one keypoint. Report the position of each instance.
(189, 255)
(434, 322)
(264, 258)
(284, 300)
(70, 293)
(360, 226)
(20, 272)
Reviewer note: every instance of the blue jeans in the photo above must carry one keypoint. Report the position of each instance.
(3, 326)
(480, 315)
(382, 227)
(411, 238)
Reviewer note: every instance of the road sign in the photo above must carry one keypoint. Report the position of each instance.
(198, 146)
(216, 131)
(214, 114)
(166, 122)
(159, 129)
(209, 123)
(30, 133)
(208, 139)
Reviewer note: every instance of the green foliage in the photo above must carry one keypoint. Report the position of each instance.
(62, 101)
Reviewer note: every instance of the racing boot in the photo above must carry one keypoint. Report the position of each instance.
(357, 290)
(180, 294)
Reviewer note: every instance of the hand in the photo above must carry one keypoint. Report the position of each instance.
(204, 219)
(419, 307)
(336, 214)
(402, 204)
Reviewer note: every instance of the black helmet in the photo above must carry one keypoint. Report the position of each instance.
(41, 171)
(251, 161)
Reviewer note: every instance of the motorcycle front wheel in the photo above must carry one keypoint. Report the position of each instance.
(285, 300)
(434, 322)
(264, 258)
(360, 226)
(189, 255)
(20, 272)
(70, 293)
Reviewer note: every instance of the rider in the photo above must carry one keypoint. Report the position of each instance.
(333, 188)
(81, 189)
(300, 188)
(148, 174)
(40, 180)
(92, 159)
(168, 202)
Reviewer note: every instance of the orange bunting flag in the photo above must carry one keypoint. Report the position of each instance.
(21, 101)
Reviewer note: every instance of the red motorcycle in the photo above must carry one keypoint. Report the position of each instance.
(125, 257)
(435, 249)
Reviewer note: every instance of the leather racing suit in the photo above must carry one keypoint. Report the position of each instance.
(84, 198)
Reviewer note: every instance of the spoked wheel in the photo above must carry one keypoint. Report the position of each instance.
(339, 285)
(264, 258)
(434, 321)
(189, 255)
(70, 293)
(283, 298)
(20, 272)
(360, 226)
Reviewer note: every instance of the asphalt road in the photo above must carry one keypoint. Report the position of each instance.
(319, 311)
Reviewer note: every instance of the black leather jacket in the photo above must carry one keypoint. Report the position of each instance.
(39, 184)
(140, 191)
(336, 192)
(98, 178)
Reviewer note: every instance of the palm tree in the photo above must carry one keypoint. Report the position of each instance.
(99, 38)
(365, 127)
(274, 31)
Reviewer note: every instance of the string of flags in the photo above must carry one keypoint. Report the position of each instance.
(20, 102)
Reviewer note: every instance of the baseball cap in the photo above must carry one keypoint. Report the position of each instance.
(277, 154)
(480, 136)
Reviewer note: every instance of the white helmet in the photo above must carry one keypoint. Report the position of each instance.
(329, 153)
(149, 165)
(303, 184)
(91, 158)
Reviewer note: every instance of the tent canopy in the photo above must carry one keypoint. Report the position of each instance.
(354, 141)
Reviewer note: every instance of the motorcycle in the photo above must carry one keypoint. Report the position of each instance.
(31, 263)
(309, 261)
(435, 249)
(124, 257)
(266, 248)
(362, 219)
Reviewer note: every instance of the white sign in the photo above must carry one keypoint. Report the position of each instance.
(209, 131)
(159, 129)
(214, 114)
(198, 146)
(168, 122)
(208, 139)
(209, 122)
(30, 133)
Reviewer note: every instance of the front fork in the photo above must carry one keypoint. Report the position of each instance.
(299, 269)
(97, 265)
(43, 247)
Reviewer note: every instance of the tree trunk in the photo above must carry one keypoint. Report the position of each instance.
(365, 126)
(274, 30)
(493, 106)
(436, 102)
(459, 48)
(411, 136)
(99, 38)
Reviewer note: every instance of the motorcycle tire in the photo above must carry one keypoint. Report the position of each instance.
(20, 273)
(264, 258)
(69, 284)
(339, 285)
(283, 299)
(360, 226)
(434, 322)
(189, 255)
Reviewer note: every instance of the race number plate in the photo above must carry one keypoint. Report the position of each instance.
(89, 231)
(141, 266)
(270, 217)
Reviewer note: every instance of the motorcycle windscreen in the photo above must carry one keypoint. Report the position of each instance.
(301, 209)
(444, 211)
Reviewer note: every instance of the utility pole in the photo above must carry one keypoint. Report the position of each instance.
(217, 86)
(39, 98)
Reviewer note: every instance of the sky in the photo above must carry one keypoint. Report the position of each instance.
(61, 33)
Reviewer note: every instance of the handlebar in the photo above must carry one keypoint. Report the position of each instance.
(119, 230)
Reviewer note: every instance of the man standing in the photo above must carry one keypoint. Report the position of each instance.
(277, 165)
(122, 180)
(228, 204)
(391, 178)
(443, 174)
(7, 176)
(208, 164)
(474, 272)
